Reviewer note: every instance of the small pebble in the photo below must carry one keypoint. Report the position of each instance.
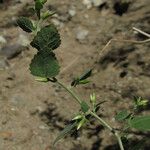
(23, 40)
(12, 50)
(81, 34)
(2, 40)
(72, 12)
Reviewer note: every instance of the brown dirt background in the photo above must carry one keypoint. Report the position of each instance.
(33, 113)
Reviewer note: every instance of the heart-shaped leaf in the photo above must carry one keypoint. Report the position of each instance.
(47, 39)
(45, 65)
(25, 24)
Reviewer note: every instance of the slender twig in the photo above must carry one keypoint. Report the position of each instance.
(100, 53)
(121, 40)
(142, 32)
(127, 41)
(93, 114)
(69, 91)
(105, 124)
(110, 128)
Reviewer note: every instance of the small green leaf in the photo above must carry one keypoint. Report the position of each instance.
(81, 123)
(140, 102)
(84, 81)
(68, 129)
(122, 115)
(86, 75)
(77, 117)
(93, 98)
(25, 24)
(141, 123)
(47, 39)
(84, 106)
(44, 65)
(82, 78)
(38, 5)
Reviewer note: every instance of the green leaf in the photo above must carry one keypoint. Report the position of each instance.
(84, 106)
(84, 81)
(78, 117)
(38, 6)
(140, 102)
(44, 65)
(25, 24)
(141, 123)
(93, 98)
(68, 129)
(122, 115)
(47, 39)
(82, 78)
(81, 123)
(86, 75)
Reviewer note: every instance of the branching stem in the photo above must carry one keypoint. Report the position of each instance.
(69, 91)
(110, 128)
(93, 114)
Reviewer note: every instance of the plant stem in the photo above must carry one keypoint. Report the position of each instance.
(69, 91)
(93, 114)
(110, 128)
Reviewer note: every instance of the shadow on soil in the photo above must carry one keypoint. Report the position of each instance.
(56, 122)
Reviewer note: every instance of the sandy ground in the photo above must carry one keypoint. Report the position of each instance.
(33, 113)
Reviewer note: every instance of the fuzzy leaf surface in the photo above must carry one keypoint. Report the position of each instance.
(141, 123)
(25, 24)
(122, 115)
(47, 39)
(84, 106)
(44, 65)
